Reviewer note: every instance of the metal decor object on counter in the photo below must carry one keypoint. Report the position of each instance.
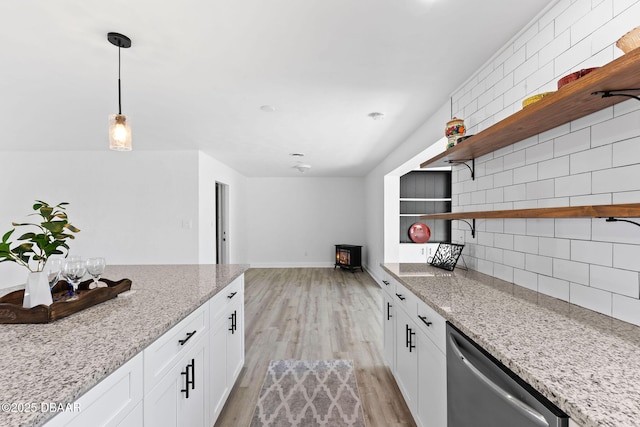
(446, 256)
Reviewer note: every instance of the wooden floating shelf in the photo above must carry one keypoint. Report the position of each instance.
(571, 102)
(600, 211)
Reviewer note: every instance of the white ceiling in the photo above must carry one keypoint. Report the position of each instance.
(199, 70)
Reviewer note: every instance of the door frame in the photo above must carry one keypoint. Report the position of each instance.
(222, 223)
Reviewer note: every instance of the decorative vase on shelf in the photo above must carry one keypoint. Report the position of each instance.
(455, 129)
(37, 290)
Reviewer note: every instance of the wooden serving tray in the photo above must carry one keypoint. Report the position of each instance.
(11, 310)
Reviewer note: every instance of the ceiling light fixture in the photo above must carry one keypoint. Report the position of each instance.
(296, 155)
(268, 108)
(376, 116)
(302, 167)
(119, 126)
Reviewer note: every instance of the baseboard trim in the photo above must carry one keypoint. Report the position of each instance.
(323, 264)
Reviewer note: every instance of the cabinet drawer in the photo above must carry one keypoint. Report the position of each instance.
(165, 351)
(388, 284)
(406, 299)
(110, 403)
(227, 297)
(432, 324)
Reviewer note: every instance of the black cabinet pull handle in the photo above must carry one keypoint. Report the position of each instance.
(233, 294)
(188, 382)
(406, 336)
(233, 318)
(389, 316)
(193, 374)
(411, 344)
(189, 335)
(385, 282)
(424, 319)
(401, 297)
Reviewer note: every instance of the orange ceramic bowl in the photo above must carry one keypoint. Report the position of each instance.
(574, 76)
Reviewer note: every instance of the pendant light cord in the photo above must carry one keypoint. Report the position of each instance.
(119, 92)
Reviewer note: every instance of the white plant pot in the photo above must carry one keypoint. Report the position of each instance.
(37, 290)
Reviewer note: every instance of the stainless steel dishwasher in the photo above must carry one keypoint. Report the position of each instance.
(482, 392)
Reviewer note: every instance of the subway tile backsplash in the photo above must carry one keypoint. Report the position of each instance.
(592, 160)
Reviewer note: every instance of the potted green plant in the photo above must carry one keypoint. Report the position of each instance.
(33, 248)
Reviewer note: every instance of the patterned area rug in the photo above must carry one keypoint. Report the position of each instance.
(309, 393)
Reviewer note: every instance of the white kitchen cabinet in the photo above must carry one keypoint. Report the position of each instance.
(407, 359)
(219, 388)
(163, 353)
(115, 401)
(227, 344)
(432, 384)
(178, 398)
(182, 379)
(417, 252)
(235, 339)
(414, 340)
(388, 321)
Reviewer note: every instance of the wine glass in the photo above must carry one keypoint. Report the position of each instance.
(74, 271)
(95, 267)
(54, 271)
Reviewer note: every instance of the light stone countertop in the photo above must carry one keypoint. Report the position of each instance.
(587, 363)
(60, 361)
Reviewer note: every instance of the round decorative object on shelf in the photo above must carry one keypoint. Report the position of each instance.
(455, 127)
(575, 76)
(454, 130)
(419, 233)
(629, 41)
(535, 98)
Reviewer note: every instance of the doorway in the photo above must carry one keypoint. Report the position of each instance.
(222, 223)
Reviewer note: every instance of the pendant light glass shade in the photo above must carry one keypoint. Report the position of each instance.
(119, 133)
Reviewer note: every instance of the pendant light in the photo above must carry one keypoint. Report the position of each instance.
(119, 125)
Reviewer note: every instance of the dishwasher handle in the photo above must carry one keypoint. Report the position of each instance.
(519, 405)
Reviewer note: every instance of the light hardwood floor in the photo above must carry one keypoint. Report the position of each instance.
(310, 314)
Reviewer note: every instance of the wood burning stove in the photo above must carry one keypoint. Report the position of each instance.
(348, 256)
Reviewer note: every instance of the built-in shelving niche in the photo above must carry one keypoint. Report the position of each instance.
(425, 192)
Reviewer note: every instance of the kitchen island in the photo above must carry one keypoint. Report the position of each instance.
(586, 363)
(60, 361)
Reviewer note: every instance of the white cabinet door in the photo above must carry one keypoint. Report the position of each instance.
(178, 399)
(111, 402)
(388, 320)
(219, 387)
(191, 402)
(227, 347)
(416, 252)
(406, 359)
(413, 252)
(235, 343)
(432, 384)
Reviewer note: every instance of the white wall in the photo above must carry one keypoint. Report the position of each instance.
(210, 172)
(380, 236)
(295, 222)
(130, 207)
(592, 160)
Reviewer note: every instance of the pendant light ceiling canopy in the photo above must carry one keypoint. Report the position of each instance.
(119, 125)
